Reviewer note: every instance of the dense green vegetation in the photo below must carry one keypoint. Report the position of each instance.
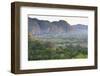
(44, 50)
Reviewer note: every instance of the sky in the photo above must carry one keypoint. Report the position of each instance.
(70, 19)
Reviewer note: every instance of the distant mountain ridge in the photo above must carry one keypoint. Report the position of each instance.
(37, 26)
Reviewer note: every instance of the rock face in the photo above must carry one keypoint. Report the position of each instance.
(36, 26)
(79, 27)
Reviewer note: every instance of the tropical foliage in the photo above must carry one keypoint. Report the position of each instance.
(44, 50)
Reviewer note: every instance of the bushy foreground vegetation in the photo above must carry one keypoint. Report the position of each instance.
(46, 50)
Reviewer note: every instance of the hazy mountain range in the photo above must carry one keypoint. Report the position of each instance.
(38, 27)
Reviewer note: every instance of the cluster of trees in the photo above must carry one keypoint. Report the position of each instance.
(39, 50)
